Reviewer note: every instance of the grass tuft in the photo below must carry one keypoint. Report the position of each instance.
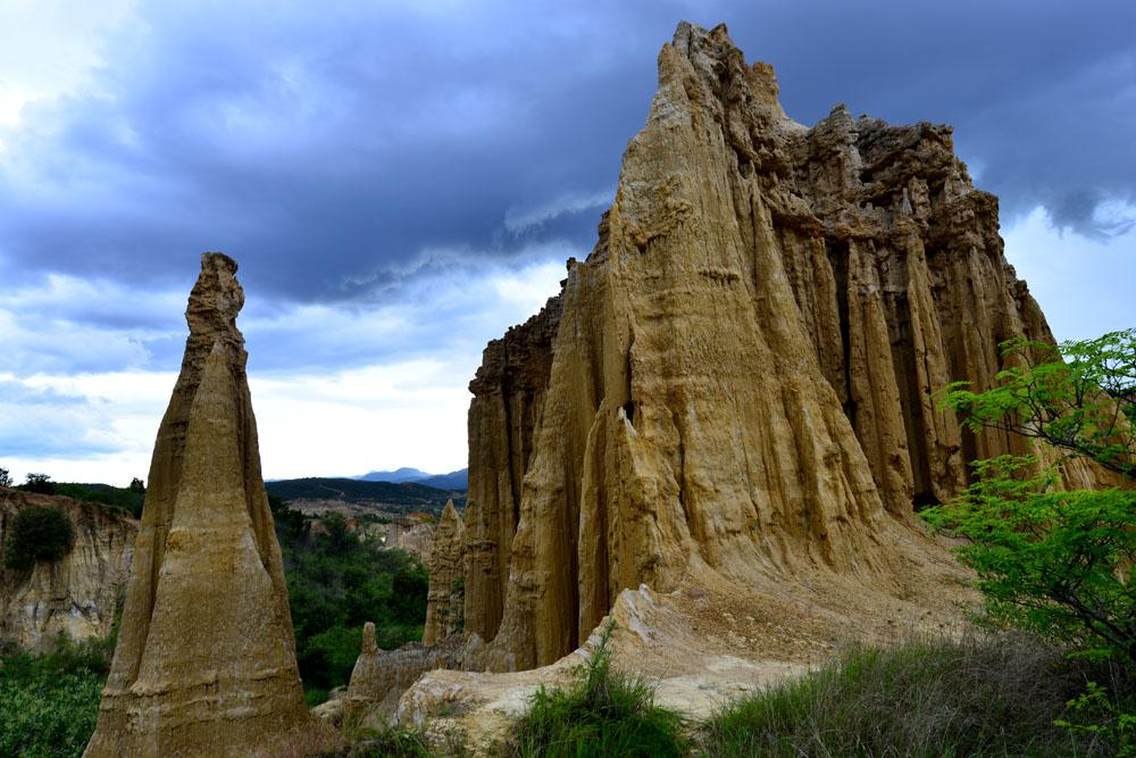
(603, 712)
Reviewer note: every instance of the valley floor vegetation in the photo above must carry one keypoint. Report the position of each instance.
(49, 703)
(337, 581)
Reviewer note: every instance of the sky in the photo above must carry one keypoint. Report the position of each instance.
(400, 182)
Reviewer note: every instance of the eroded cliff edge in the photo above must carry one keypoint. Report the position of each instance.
(738, 384)
(76, 595)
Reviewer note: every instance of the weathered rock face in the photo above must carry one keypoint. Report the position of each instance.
(739, 381)
(76, 595)
(508, 396)
(205, 662)
(444, 607)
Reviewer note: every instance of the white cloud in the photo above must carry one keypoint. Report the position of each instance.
(405, 406)
(49, 48)
(1085, 286)
(520, 219)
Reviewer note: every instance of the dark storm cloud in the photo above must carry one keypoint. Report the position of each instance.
(339, 150)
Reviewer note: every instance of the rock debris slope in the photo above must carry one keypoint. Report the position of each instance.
(205, 662)
(738, 384)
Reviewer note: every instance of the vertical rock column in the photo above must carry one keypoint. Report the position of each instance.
(205, 662)
(444, 605)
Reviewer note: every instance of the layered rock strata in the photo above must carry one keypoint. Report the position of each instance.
(75, 596)
(740, 380)
(205, 662)
(444, 606)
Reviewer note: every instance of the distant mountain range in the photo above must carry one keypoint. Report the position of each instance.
(398, 496)
(455, 480)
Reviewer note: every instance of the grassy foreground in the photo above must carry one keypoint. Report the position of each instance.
(982, 696)
(997, 695)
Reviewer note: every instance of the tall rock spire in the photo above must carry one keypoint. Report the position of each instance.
(737, 386)
(446, 600)
(205, 662)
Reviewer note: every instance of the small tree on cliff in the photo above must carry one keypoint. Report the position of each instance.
(5, 478)
(38, 534)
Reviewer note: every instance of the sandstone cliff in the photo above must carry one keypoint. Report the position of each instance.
(205, 662)
(738, 385)
(76, 595)
(444, 607)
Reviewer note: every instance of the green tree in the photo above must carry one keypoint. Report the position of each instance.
(137, 486)
(1051, 560)
(5, 478)
(38, 534)
(39, 483)
(1079, 396)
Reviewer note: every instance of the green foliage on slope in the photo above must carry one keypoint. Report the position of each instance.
(336, 583)
(49, 703)
(401, 497)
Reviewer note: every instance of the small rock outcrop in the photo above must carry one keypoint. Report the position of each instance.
(76, 595)
(738, 385)
(381, 676)
(205, 662)
(444, 608)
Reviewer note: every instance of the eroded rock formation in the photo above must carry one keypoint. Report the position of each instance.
(508, 396)
(381, 676)
(444, 607)
(205, 662)
(75, 595)
(739, 382)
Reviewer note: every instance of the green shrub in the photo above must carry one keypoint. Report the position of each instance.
(38, 534)
(125, 500)
(989, 695)
(603, 712)
(49, 703)
(48, 714)
(1049, 560)
(39, 483)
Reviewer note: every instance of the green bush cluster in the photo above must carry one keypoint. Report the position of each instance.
(336, 583)
(126, 500)
(37, 533)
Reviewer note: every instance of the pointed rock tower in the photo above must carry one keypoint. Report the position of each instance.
(205, 662)
(444, 606)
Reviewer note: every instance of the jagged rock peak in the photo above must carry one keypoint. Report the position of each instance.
(206, 559)
(737, 385)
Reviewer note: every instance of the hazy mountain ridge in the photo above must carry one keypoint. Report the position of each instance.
(454, 480)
